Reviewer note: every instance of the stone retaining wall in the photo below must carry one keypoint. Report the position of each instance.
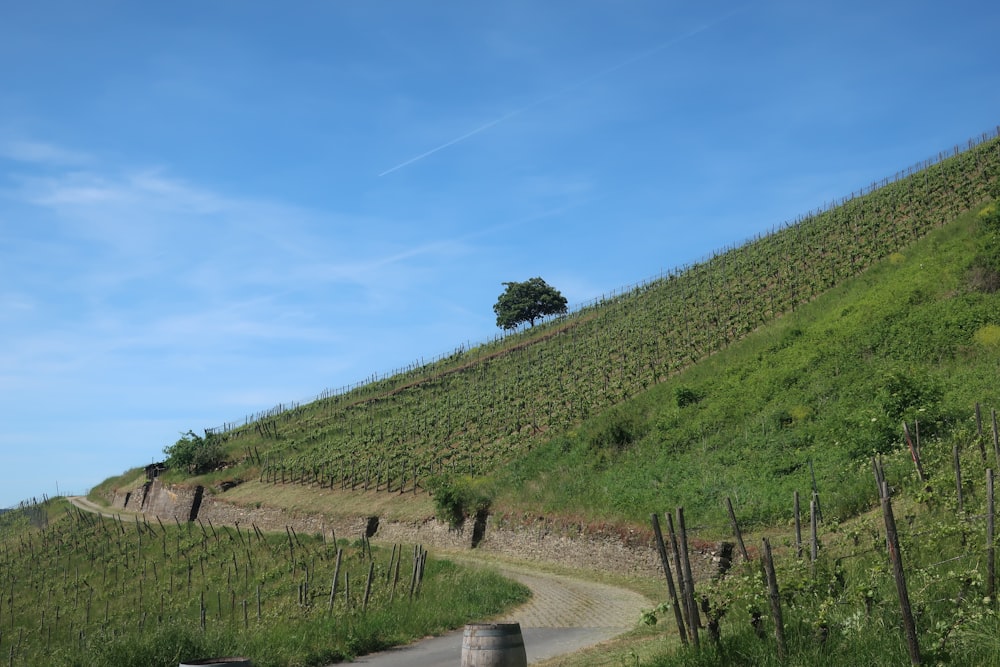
(544, 541)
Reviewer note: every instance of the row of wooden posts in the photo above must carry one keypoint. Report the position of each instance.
(682, 594)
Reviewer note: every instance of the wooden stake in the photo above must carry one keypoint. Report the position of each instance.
(775, 600)
(798, 527)
(814, 540)
(990, 542)
(736, 530)
(996, 437)
(956, 462)
(368, 586)
(896, 560)
(336, 575)
(914, 454)
(665, 562)
(693, 618)
(979, 432)
(815, 493)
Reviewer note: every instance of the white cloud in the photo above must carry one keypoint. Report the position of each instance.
(37, 152)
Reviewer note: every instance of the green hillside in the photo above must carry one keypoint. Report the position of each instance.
(548, 389)
(792, 360)
(820, 391)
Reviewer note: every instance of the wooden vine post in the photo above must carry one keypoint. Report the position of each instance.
(990, 541)
(957, 463)
(798, 526)
(775, 600)
(693, 618)
(736, 530)
(814, 532)
(665, 562)
(678, 564)
(914, 454)
(896, 561)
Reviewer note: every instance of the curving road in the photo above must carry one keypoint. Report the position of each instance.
(89, 506)
(564, 614)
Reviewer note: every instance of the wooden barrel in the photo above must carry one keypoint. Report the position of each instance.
(493, 645)
(226, 662)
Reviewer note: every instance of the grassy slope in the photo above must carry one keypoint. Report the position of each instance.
(828, 384)
(485, 407)
(585, 410)
(831, 383)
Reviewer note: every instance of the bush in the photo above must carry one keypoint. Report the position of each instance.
(457, 497)
(195, 454)
(686, 396)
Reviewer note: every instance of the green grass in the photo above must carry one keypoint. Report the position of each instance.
(844, 609)
(828, 385)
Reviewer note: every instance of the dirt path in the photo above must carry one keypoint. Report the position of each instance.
(92, 507)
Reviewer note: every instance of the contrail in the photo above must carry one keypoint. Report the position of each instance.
(454, 141)
(582, 82)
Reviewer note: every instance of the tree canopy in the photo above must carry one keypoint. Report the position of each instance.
(195, 454)
(526, 302)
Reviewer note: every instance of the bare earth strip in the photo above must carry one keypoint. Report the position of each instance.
(92, 507)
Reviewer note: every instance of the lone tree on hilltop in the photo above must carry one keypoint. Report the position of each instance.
(526, 302)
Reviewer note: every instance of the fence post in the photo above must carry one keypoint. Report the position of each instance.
(990, 547)
(736, 530)
(664, 560)
(775, 599)
(896, 560)
(693, 617)
(798, 526)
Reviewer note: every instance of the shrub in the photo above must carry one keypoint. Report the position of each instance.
(457, 497)
(686, 396)
(195, 454)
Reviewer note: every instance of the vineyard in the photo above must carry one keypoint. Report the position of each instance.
(80, 589)
(781, 368)
(913, 581)
(479, 408)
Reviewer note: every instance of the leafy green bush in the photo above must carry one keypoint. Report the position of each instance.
(685, 396)
(457, 497)
(195, 454)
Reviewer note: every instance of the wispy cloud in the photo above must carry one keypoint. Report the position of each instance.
(566, 90)
(38, 152)
(149, 260)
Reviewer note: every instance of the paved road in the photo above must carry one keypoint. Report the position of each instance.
(564, 615)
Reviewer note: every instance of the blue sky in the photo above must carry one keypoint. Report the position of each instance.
(209, 208)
